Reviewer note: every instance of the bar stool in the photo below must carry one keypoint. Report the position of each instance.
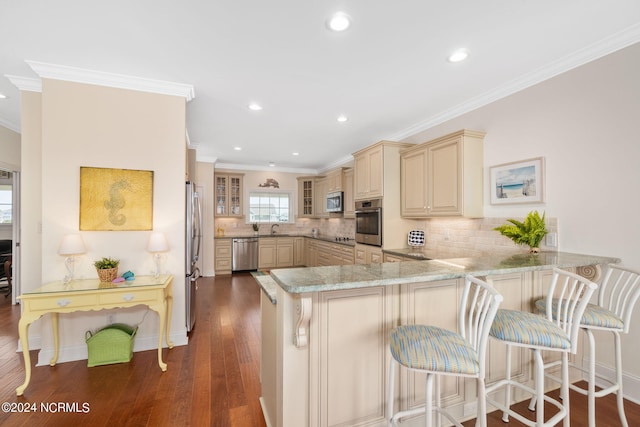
(437, 351)
(537, 333)
(617, 297)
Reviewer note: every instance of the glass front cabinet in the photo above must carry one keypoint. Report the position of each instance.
(228, 195)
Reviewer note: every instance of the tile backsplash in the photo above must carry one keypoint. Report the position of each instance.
(473, 237)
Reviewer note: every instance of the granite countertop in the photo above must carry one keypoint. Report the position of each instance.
(316, 279)
(411, 253)
(268, 285)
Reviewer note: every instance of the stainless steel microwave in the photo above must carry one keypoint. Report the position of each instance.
(335, 201)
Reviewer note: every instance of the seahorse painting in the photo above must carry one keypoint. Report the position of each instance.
(117, 201)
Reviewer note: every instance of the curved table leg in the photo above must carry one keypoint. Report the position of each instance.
(23, 334)
(161, 309)
(169, 305)
(56, 339)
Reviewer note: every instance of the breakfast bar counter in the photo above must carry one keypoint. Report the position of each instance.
(317, 279)
(326, 336)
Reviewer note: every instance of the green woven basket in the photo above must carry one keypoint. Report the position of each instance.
(112, 344)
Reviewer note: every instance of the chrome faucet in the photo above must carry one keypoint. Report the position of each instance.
(274, 225)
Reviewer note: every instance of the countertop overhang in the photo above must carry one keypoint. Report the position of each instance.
(318, 279)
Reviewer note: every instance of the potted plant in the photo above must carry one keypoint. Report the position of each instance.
(530, 232)
(107, 268)
(256, 228)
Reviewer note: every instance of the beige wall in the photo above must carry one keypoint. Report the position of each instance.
(31, 192)
(9, 149)
(87, 125)
(9, 160)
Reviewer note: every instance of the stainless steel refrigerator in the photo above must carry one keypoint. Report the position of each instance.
(193, 243)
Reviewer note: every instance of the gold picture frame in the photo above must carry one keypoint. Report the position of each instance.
(115, 199)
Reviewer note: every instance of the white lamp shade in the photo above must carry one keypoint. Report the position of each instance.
(72, 244)
(157, 243)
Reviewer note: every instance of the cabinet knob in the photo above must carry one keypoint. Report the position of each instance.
(128, 297)
(63, 302)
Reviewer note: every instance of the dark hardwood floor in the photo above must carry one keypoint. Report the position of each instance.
(214, 381)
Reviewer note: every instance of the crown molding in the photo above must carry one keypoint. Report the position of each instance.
(606, 46)
(29, 84)
(346, 161)
(9, 125)
(240, 167)
(100, 78)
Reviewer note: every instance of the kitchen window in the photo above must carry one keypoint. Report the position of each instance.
(268, 206)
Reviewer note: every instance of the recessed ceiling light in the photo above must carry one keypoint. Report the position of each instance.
(237, 148)
(271, 164)
(295, 154)
(459, 55)
(339, 21)
(255, 107)
(2, 96)
(342, 118)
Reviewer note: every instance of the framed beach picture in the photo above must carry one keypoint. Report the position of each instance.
(518, 182)
(116, 199)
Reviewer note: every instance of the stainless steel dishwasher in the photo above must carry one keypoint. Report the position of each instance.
(245, 254)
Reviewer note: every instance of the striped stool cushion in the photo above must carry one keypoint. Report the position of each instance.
(520, 327)
(432, 348)
(594, 315)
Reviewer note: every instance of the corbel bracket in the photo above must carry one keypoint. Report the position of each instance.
(302, 318)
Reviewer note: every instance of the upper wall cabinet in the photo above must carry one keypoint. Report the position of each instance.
(228, 189)
(368, 165)
(376, 168)
(320, 197)
(443, 177)
(347, 187)
(334, 180)
(306, 193)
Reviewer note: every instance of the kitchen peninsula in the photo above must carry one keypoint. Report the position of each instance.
(328, 357)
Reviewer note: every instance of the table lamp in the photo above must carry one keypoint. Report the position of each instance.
(157, 244)
(71, 246)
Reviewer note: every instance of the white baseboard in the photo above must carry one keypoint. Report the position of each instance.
(265, 414)
(73, 353)
(630, 383)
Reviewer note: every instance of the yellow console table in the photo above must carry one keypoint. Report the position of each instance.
(90, 294)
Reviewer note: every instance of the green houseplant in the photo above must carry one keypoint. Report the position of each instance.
(256, 227)
(107, 268)
(530, 232)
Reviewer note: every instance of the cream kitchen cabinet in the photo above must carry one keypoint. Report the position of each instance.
(320, 196)
(349, 201)
(298, 251)
(275, 252)
(366, 254)
(222, 261)
(228, 188)
(334, 254)
(443, 177)
(376, 170)
(334, 180)
(368, 165)
(321, 253)
(352, 338)
(311, 252)
(306, 197)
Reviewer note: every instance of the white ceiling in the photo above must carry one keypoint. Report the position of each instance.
(388, 73)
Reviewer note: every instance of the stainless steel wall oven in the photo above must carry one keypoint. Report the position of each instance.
(369, 222)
